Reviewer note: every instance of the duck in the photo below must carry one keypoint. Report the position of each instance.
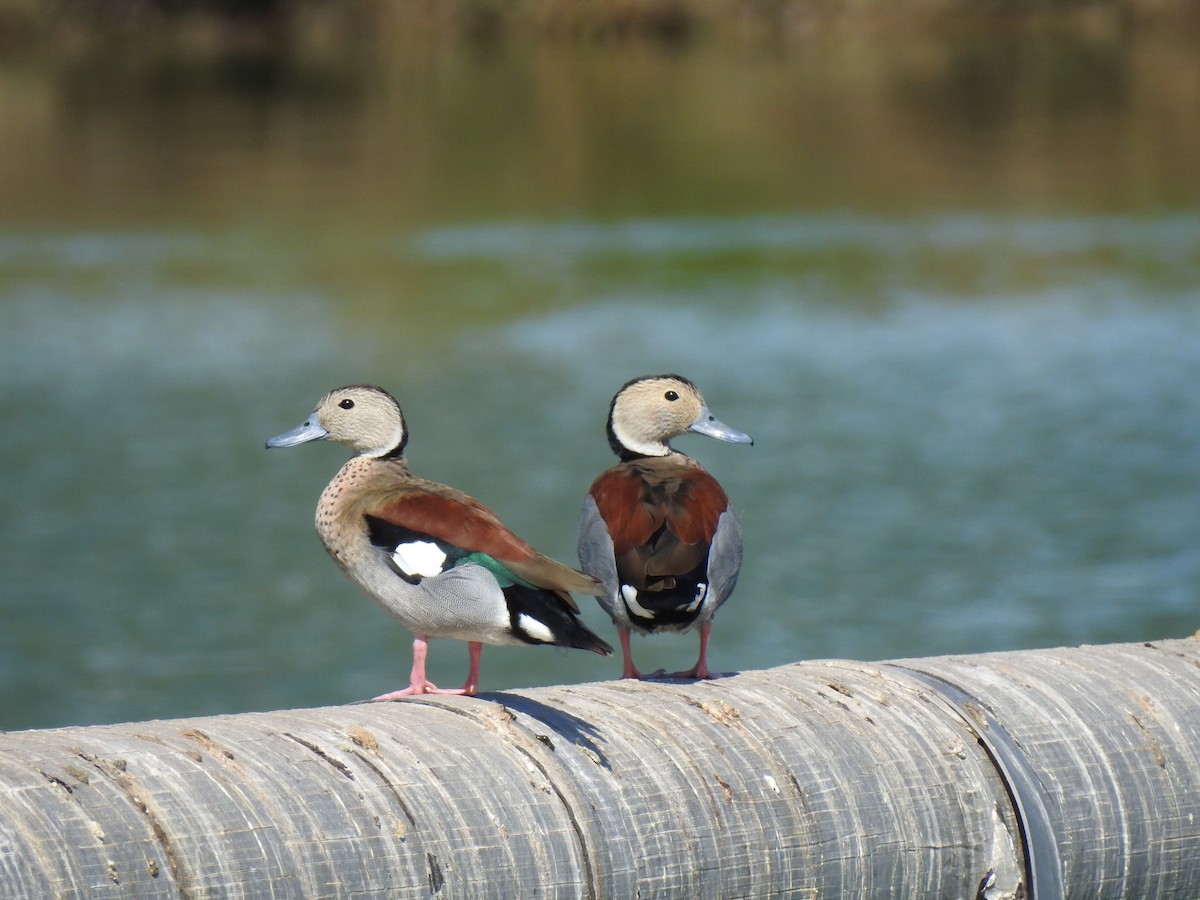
(438, 560)
(657, 530)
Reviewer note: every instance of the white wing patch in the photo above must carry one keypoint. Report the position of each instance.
(423, 558)
(535, 629)
(701, 593)
(629, 595)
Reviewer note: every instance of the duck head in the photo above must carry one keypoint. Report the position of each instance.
(365, 418)
(649, 411)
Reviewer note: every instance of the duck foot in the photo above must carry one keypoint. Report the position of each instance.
(629, 670)
(427, 688)
(651, 676)
(693, 675)
(419, 684)
(700, 671)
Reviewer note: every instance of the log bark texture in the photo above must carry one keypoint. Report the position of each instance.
(1068, 772)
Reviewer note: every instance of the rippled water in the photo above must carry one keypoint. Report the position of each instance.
(975, 428)
(932, 473)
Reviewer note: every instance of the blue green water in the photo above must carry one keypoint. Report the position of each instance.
(976, 426)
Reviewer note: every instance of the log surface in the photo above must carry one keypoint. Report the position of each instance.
(1073, 771)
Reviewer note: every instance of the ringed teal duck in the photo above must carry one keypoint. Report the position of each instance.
(438, 560)
(656, 529)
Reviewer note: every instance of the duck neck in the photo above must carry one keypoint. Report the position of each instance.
(628, 448)
(396, 451)
(396, 454)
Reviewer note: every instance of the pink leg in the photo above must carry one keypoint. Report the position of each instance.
(700, 669)
(474, 648)
(629, 670)
(419, 684)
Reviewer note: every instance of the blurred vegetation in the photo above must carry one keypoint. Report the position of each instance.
(208, 23)
(369, 117)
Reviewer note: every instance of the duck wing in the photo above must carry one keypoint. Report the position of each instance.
(465, 528)
(661, 517)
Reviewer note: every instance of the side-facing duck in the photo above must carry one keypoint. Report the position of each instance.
(657, 530)
(436, 559)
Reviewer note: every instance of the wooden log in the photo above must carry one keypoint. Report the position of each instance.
(1069, 772)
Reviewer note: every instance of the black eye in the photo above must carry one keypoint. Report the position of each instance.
(671, 395)
(347, 404)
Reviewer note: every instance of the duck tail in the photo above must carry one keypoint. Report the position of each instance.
(543, 617)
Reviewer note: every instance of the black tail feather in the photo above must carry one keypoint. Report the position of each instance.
(547, 609)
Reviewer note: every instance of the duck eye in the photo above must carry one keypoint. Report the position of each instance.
(347, 404)
(671, 395)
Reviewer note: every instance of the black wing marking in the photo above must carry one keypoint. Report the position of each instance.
(389, 537)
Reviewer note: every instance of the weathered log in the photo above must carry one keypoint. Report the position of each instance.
(1069, 772)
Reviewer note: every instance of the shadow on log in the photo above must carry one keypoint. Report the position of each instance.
(1046, 773)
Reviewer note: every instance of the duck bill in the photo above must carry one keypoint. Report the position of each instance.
(311, 430)
(708, 424)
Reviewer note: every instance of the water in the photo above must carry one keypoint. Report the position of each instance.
(971, 381)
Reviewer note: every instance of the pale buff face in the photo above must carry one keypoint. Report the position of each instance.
(649, 412)
(364, 418)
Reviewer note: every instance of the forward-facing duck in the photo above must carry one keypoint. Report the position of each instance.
(657, 530)
(436, 559)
